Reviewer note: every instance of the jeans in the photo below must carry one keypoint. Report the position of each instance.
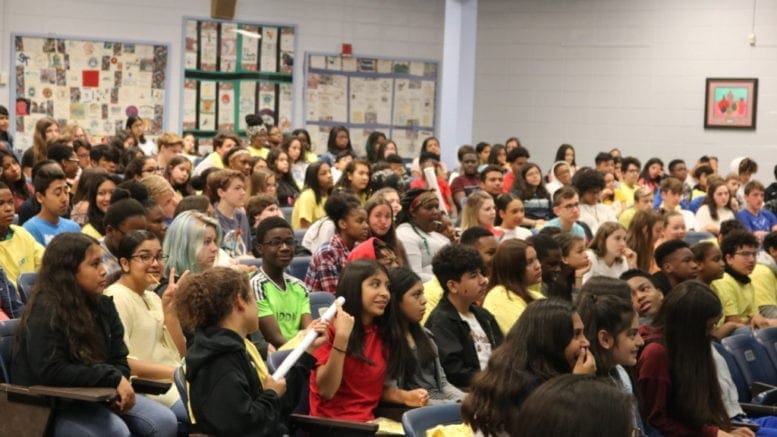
(146, 418)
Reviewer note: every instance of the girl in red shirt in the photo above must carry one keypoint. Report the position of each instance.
(349, 379)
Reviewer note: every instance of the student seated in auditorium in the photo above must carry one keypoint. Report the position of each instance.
(756, 219)
(227, 192)
(222, 143)
(230, 389)
(764, 277)
(465, 333)
(516, 157)
(642, 201)
(491, 180)
(547, 341)
(106, 157)
(515, 269)
(122, 217)
(469, 178)
(350, 219)
(427, 160)
(284, 305)
(735, 289)
(676, 264)
(70, 335)
(711, 268)
(630, 167)
(671, 196)
(350, 376)
(589, 184)
(476, 237)
(20, 252)
(566, 207)
(645, 297)
(52, 193)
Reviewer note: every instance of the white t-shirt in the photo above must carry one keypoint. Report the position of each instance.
(519, 233)
(599, 268)
(479, 337)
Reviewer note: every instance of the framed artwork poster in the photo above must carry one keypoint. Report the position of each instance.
(730, 103)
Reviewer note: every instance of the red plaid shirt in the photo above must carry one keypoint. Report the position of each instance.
(324, 270)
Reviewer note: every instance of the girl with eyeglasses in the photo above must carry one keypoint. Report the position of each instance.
(152, 331)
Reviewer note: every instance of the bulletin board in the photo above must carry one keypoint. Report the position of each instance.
(95, 83)
(397, 97)
(232, 69)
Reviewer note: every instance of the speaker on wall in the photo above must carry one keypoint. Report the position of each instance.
(223, 9)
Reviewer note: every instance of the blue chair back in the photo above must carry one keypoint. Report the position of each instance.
(418, 420)
(752, 358)
(24, 284)
(275, 359)
(7, 331)
(257, 262)
(767, 337)
(299, 267)
(179, 379)
(319, 300)
(743, 391)
(299, 234)
(287, 211)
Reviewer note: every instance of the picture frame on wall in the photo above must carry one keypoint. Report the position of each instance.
(730, 103)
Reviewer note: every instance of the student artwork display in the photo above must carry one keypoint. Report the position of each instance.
(396, 97)
(97, 84)
(730, 103)
(232, 69)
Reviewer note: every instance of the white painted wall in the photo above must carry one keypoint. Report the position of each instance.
(625, 73)
(401, 28)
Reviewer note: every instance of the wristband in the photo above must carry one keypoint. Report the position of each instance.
(339, 350)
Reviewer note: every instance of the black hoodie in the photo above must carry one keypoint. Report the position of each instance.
(225, 393)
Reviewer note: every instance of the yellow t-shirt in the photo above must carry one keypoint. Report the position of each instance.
(91, 231)
(737, 299)
(507, 307)
(20, 253)
(145, 333)
(625, 195)
(306, 207)
(433, 295)
(261, 153)
(764, 282)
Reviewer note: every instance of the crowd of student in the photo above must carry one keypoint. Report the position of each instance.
(538, 301)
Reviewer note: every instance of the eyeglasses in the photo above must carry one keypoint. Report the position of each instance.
(147, 258)
(277, 242)
(746, 254)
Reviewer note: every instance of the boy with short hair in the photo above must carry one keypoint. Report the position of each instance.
(491, 180)
(735, 289)
(566, 206)
(630, 167)
(645, 297)
(19, 252)
(516, 157)
(469, 179)
(764, 277)
(756, 219)
(283, 302)
(477, 237)
(465, 333)
(52, 193)
(605, 163)
(672, 198)
(105, 156)
(676, 262)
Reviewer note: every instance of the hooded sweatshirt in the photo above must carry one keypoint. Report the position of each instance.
(225, 393)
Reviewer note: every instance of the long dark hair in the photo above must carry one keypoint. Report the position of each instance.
(345, 184)
(57, 288)
(130, 121)
(533, 349)
(605, 304)
(350, 287)
(272, 160)
(20, 187)
(685, 314)
(561, 154)
(311, 181)
(526, 191)
(186, 188)
(508, 268)
(645, 173)
(131, 240)
(93, 214)
(401, 362)
(712, 186)
(331, 142)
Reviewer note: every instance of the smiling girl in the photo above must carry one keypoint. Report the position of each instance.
(479, 210)
(510, 213)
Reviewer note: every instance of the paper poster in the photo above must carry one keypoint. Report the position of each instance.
(207, 105)
(84, 81)
(247, 103)
(370, 100)
(327, 98)
(285, 107)
(249, 52)
(317, 62)
(228, 54)
(226, 105)
(269, 49)
(209, 46)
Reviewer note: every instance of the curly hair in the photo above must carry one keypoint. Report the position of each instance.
(204, 299)
(57, 288)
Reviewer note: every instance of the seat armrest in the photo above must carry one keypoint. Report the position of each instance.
(756, 410)
(391, 411)
(305, 421)
(758, 387)
(89, 394)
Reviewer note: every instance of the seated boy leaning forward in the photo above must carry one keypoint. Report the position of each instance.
(735, 288)
(465, 333)
(284, 305)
